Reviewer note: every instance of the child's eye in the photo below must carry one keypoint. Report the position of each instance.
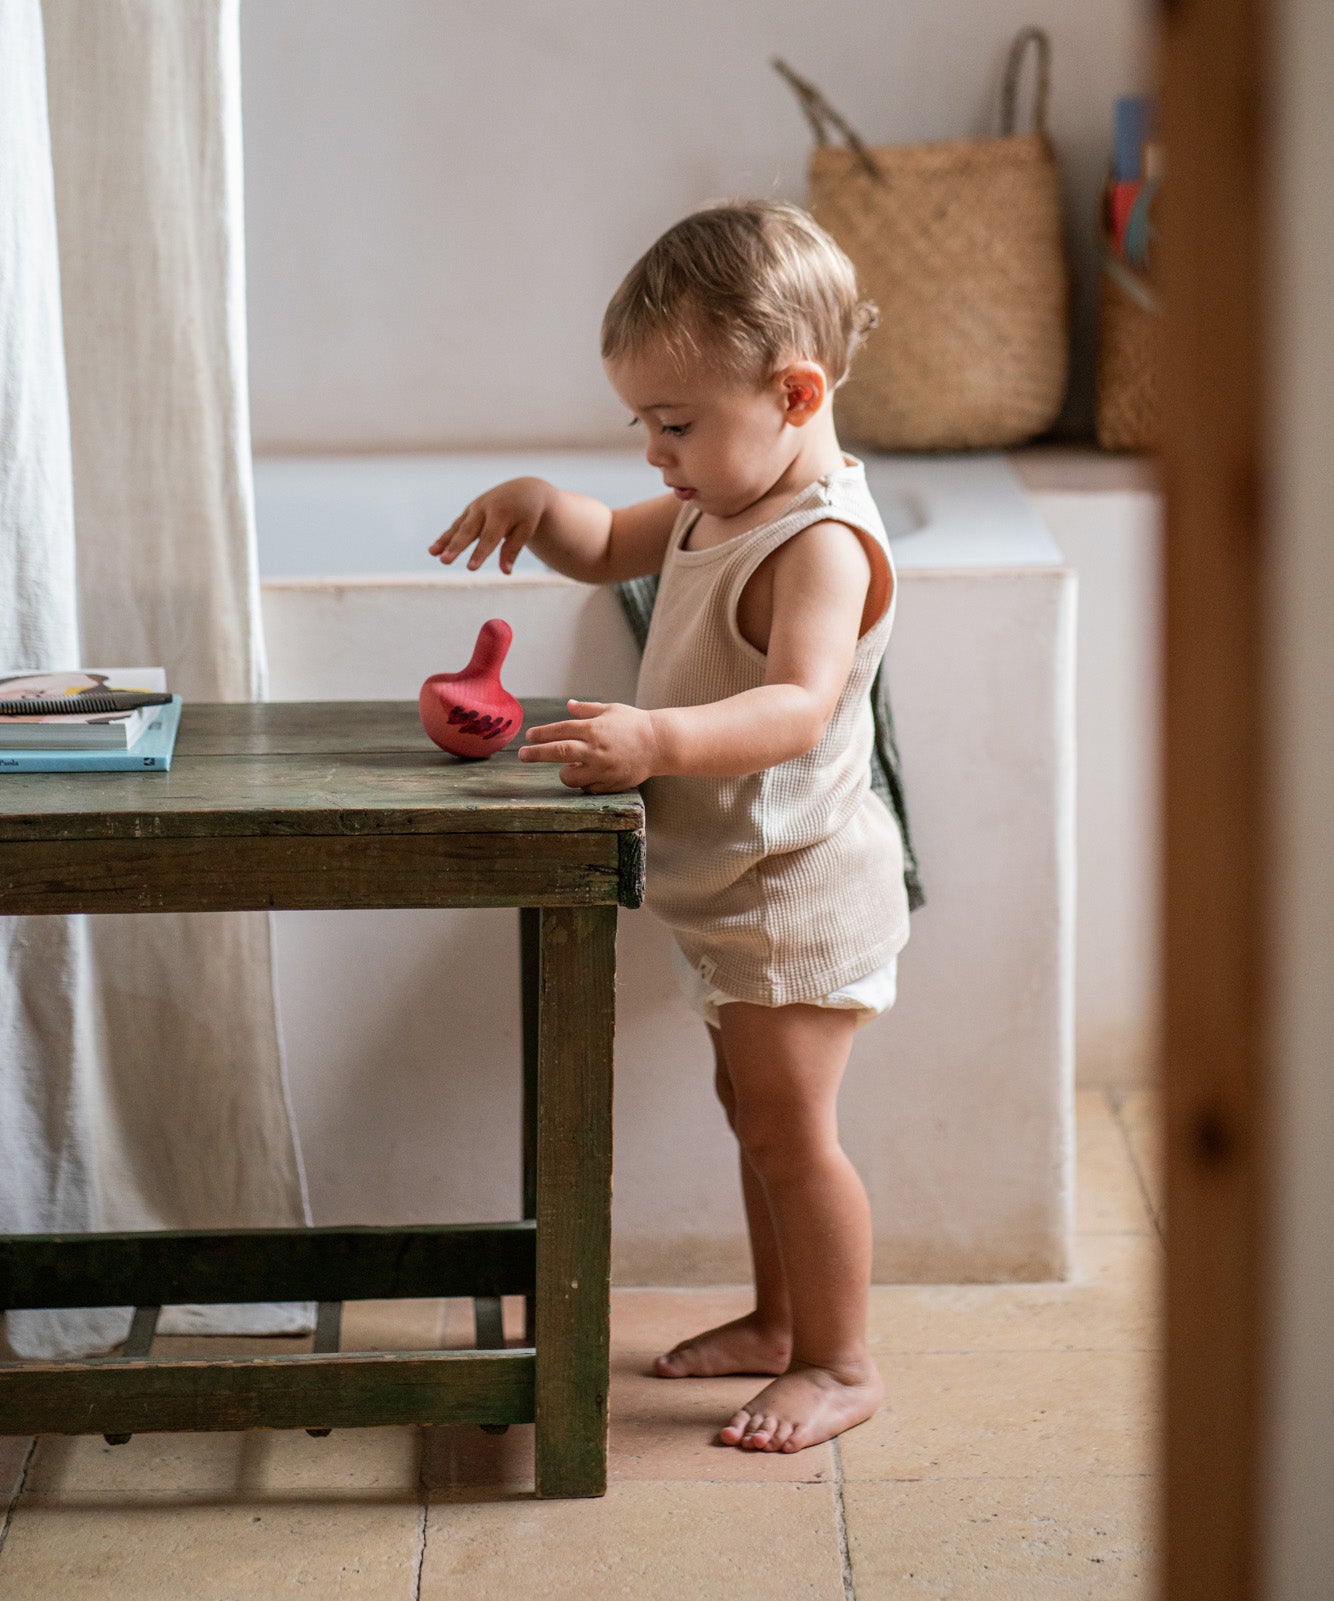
(678, 430)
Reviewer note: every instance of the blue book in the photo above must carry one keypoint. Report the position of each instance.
(151, 752)
(1136, 123)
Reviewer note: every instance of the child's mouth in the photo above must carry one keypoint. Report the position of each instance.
(683, 494)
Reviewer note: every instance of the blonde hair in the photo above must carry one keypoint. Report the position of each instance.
(759, 282)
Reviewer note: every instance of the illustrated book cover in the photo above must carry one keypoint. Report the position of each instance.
(68, 728)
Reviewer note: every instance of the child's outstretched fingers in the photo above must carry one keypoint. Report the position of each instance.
(570, 733)
(552, 742)
(459, 535)
(556, 750)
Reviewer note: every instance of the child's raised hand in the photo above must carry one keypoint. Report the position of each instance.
(605, 747)
(507, 516)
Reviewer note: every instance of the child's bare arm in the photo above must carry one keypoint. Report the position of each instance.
(820, 582)
(575, 534)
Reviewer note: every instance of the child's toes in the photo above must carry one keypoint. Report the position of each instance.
(782, 1435)
(757, 1436)
(731, 1432)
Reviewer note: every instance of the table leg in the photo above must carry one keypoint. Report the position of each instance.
(530, 934)
(577, 1013)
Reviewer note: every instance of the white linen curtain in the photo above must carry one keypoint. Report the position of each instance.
(141, 1082)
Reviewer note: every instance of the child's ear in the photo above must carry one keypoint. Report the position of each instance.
(804, 387)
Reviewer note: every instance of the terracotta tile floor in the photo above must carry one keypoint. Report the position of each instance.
(1014, 1458)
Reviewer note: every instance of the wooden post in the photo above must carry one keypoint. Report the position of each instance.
(1216, 232)
(529, 986)
(578, 961)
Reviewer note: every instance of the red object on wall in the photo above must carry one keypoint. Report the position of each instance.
(1121, 198)
(469, 714)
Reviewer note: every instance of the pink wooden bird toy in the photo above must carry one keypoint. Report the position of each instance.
(469, 713)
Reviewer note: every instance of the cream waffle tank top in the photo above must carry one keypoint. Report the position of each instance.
(784, 885)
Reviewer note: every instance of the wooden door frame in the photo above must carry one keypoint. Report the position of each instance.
(1217, 777)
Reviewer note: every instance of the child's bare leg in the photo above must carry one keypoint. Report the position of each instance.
(761, 1341)
(785, 1065)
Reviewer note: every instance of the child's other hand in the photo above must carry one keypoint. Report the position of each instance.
(507, 516)
(605, 748)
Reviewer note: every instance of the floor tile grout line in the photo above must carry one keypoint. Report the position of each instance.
(1147, 1474)
(462, 1494)
(841, 1522)
(1021, 1350)
(18, 1491)
(1115, 1101)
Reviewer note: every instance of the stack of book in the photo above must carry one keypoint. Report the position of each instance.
(94, 719)
(1133, 183)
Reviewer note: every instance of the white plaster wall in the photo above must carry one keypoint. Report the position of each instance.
(441, 197)
(1113, 541)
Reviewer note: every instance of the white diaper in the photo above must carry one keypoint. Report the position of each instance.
(868, 996)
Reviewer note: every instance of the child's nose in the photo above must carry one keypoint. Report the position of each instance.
(658, 453)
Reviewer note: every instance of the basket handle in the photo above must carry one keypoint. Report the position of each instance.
(822, 116)
(1010, 87)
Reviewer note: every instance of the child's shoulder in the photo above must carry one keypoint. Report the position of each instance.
(840, 546)
(825, 550)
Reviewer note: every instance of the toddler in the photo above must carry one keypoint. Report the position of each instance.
(778, 872)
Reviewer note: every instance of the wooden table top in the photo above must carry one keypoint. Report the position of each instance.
(312, 767)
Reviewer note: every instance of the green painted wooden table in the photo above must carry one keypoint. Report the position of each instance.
(329, 805)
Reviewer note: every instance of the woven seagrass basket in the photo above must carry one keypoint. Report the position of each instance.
(959, 244)
(1128, 412)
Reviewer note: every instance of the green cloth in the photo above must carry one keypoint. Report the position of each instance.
(637, 595)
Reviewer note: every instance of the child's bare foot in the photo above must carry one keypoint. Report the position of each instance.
(806, 1405)
(742, 1346)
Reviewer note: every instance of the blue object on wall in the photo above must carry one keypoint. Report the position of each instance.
(1136, 123)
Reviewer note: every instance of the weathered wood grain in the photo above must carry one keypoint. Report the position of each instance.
(488, 1319)
(350, 1390)
(631, 852)
(273, 728)
(308, 768)
(143, 1329)
(328, 1327)
(310, 873)
(181, 1267)
(1223, 742)
(574, 1108)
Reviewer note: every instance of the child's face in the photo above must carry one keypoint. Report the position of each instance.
(719, 440)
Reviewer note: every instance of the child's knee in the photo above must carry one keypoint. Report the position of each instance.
(722, 1085)
(775, 1142)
